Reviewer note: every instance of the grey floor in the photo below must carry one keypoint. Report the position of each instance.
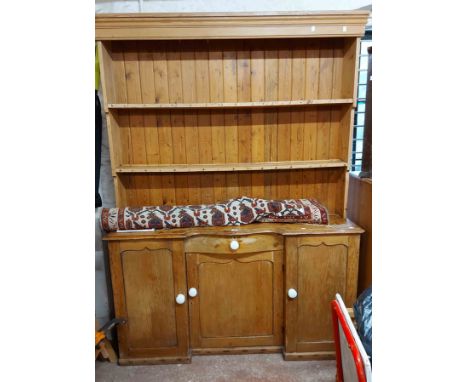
(223, 368)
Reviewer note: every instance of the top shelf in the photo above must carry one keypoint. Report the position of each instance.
(227, 105)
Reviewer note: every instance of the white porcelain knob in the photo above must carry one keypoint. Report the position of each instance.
(292, 293)
(192, 292)
(180, 299)
(234, 245)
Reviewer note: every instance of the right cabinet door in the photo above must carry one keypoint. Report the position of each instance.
(317, 267)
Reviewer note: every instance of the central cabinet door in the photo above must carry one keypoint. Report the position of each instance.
(236, 286)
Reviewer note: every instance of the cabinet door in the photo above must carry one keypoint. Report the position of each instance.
(317, 268)
(146, 278)
(239, 299)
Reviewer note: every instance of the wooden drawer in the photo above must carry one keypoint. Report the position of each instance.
(222, 244)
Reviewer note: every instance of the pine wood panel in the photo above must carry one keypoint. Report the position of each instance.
(215, 64)
(298, 67)
(360, 211)
(203, 120)
(220, 288)
(255, 51)
(334, 176)
(284, 117)
(163, 123)
(205, 107)
(230, 119)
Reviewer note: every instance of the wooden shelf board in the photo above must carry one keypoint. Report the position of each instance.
(227, 105)
(222, 167)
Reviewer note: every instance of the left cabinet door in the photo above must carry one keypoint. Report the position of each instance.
(147, 277)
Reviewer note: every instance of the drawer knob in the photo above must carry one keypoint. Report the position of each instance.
(192, 292)
(180, 299)
(292, 293)
(234, 245)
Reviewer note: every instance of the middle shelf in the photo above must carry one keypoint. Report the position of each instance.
(222, 167)
(231, 105)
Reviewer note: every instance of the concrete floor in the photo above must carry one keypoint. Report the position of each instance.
(222, 368)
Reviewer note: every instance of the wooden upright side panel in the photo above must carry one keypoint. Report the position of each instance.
(350, 66)
(350, 70)
(360, 212)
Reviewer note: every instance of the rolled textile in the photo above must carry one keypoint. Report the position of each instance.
(238, 211)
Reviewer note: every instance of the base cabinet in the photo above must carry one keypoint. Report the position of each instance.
(147, 277)
(228, 294)
(317, 267)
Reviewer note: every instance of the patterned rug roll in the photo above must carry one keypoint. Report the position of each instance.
(234, 212)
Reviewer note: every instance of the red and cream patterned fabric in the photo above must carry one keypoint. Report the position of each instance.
(239, 211)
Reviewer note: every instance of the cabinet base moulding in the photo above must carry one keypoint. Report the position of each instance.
(309, 356)
(238, 350)
(154, 361)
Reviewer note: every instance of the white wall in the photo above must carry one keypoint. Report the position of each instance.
(125, 6)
